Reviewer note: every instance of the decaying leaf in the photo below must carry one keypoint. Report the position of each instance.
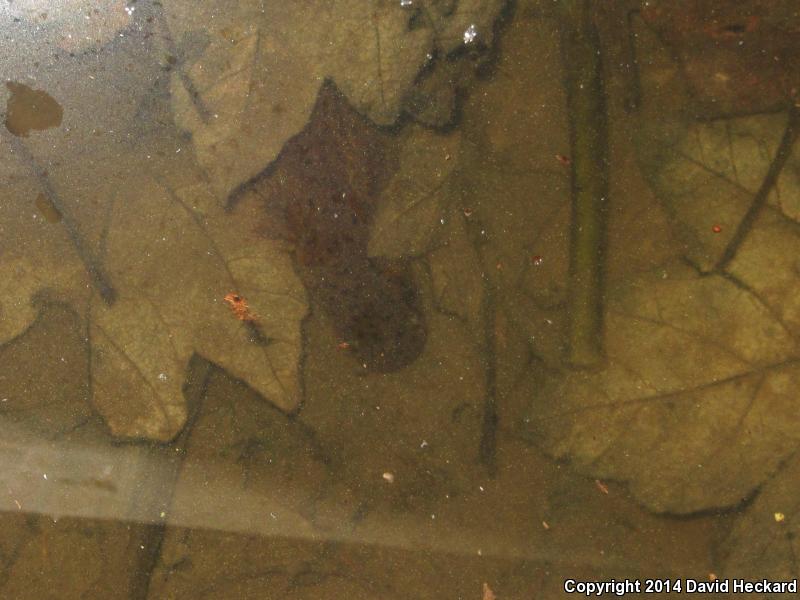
(418, 197)
(171, 305)
(250, 81)
(694, 407)
(723, 162)
(170, 264)
(694, 404)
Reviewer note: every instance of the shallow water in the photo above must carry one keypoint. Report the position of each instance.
(412, 299)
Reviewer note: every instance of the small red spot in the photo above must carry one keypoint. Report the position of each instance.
(564, 160)
(343, 345)
(601, 486)
(536, 260)
(716, 229)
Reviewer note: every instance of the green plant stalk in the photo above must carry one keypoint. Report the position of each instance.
(580, 49)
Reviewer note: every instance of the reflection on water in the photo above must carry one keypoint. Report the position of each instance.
(407, 299)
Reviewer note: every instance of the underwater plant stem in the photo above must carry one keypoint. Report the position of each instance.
(580, 50)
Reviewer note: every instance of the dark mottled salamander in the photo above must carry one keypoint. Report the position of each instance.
(325, 183)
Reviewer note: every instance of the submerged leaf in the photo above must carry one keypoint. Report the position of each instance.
(171, 305)
(250, 83)
(695, 405)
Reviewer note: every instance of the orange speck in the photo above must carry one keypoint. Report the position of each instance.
(601, 486)
(343, 345)
(239, 306)
(488, 594)
(564, 160)
(716, 229)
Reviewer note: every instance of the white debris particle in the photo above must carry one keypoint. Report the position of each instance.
(470, 34)
(389, 477)
(162, 376)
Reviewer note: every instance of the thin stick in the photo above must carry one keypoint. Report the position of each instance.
(488, 443)
(762, 195)
(580, 48)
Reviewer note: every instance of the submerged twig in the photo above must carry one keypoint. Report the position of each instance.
(580, 48)
(488, 444)
(782, 154)
(487, 448)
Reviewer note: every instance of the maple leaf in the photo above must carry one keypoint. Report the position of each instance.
(170, 305)
(248, 87)
(694, 403)
(151, 289)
